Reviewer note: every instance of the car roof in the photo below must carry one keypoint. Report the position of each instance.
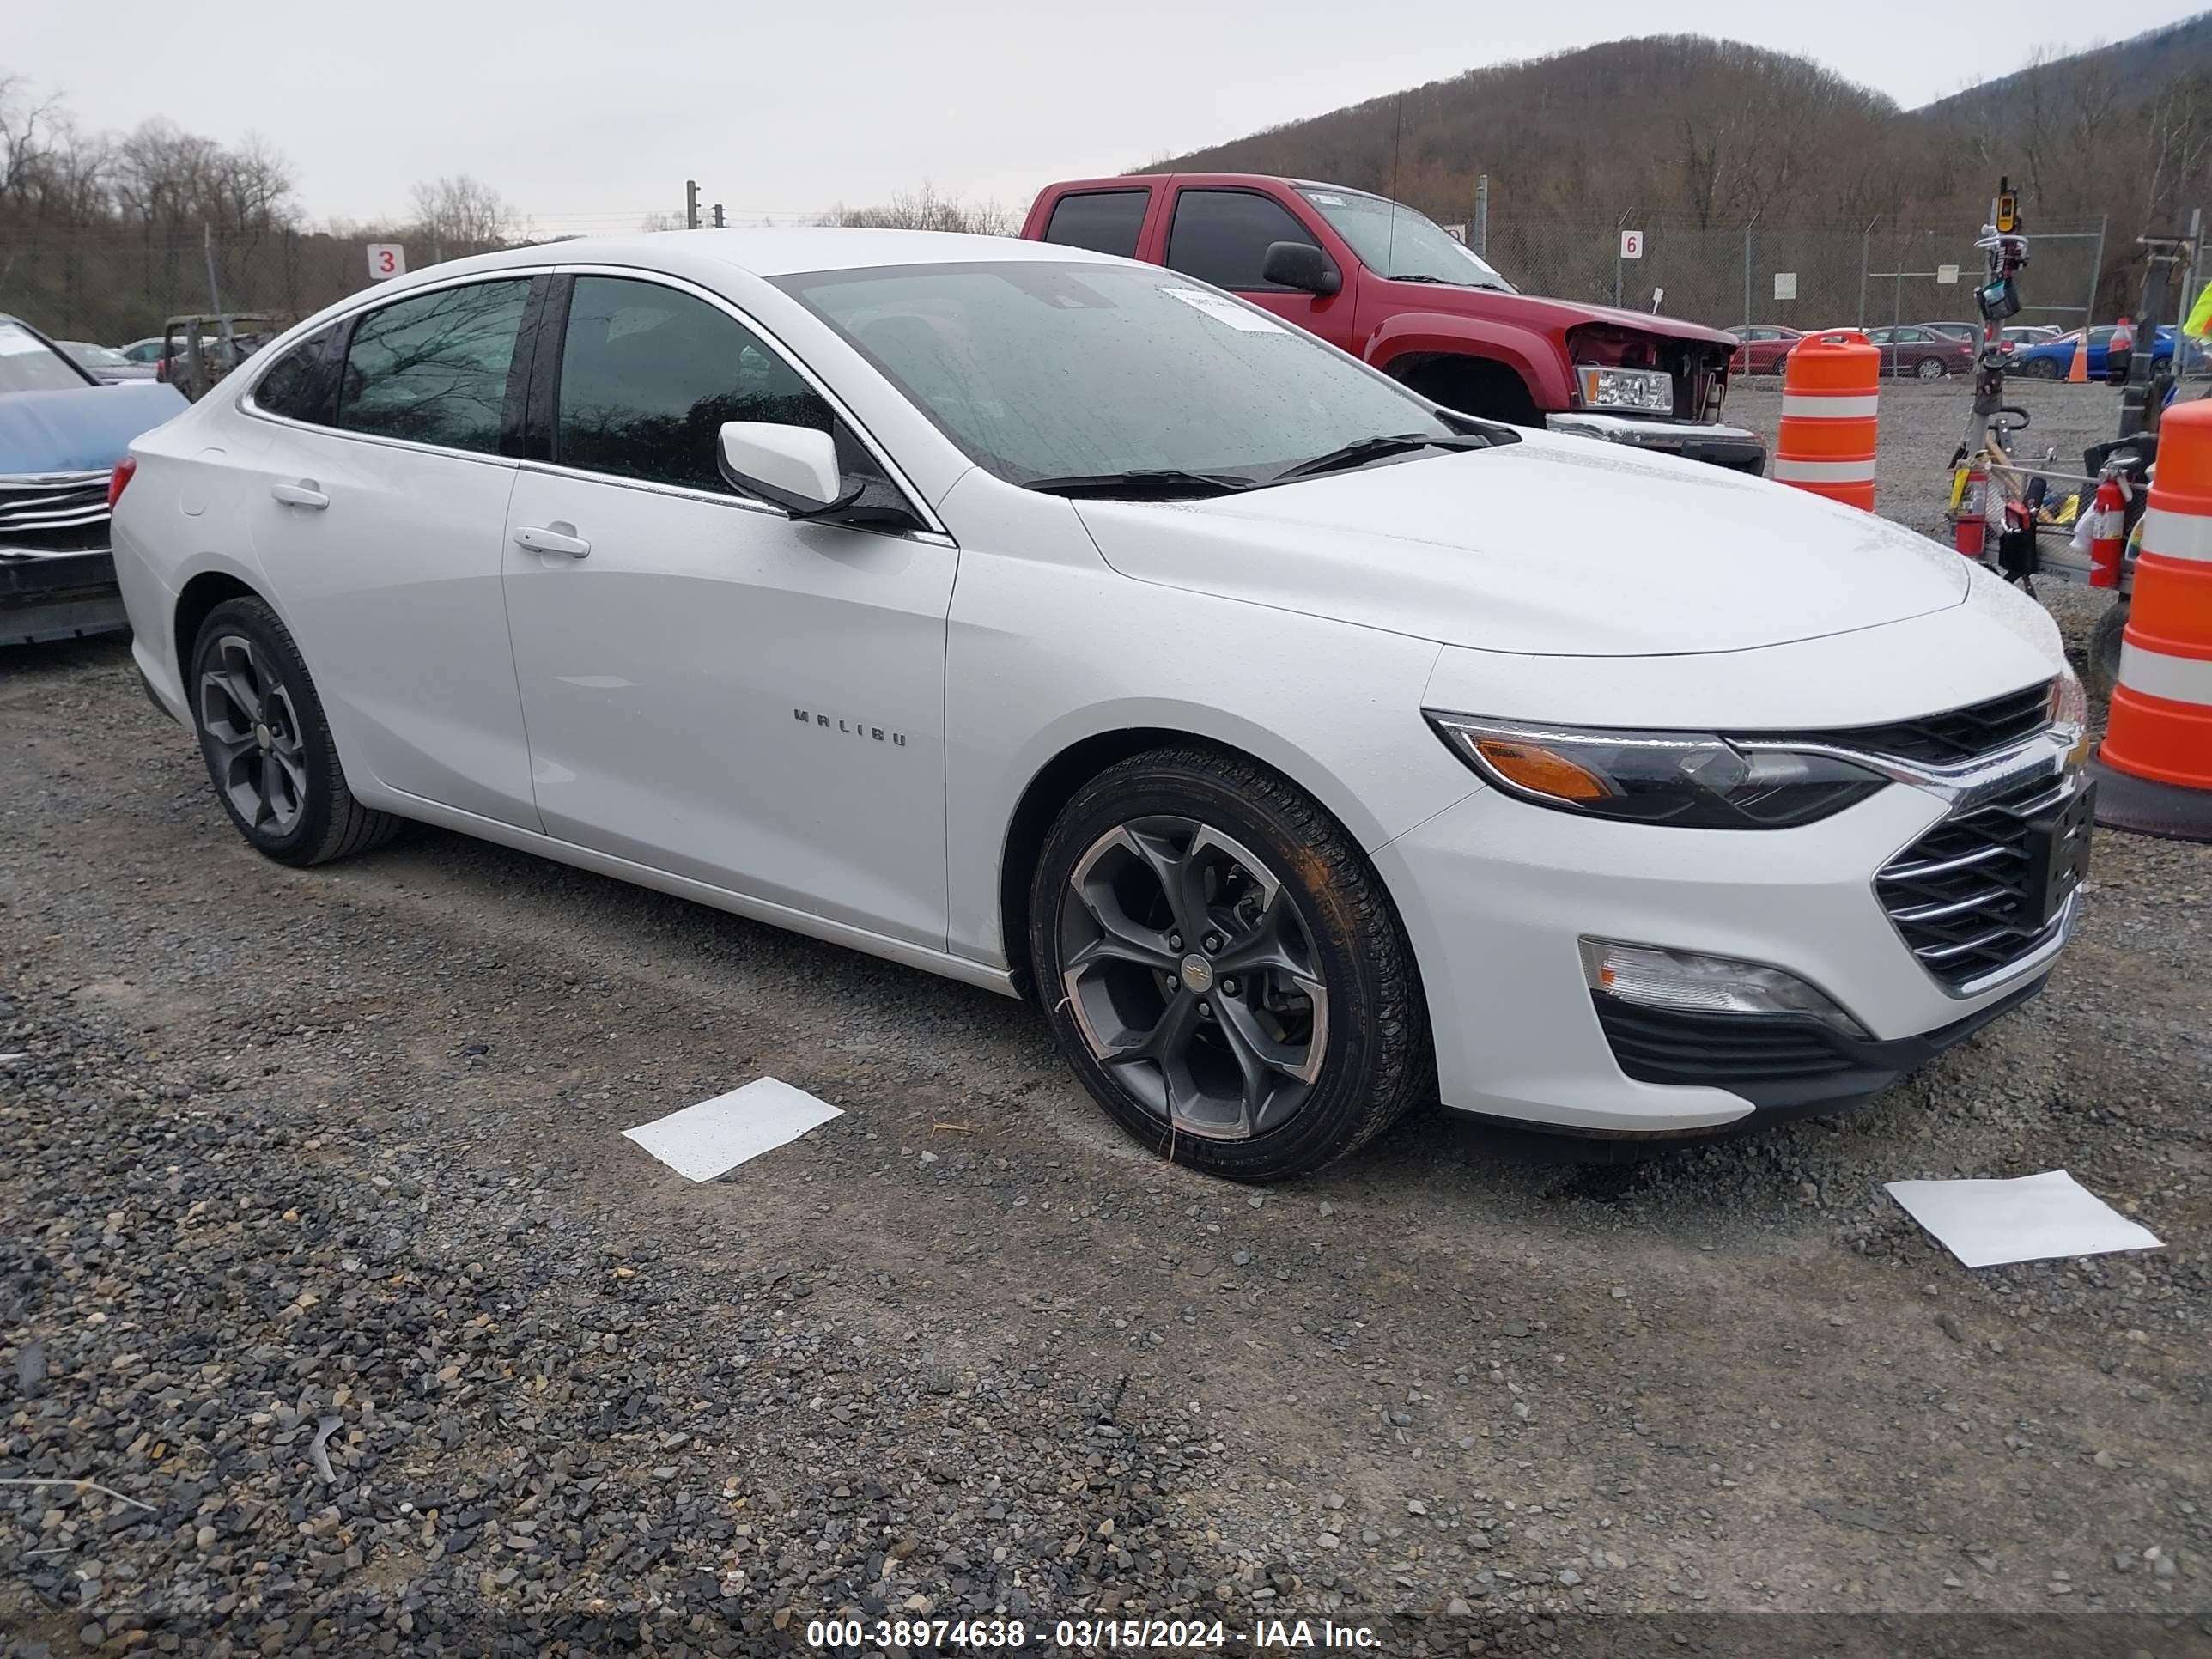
(776, 252)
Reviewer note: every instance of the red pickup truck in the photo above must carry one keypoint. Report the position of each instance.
(1383, 282)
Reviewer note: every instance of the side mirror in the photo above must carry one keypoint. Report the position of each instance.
(795, 467)
(1303, 266)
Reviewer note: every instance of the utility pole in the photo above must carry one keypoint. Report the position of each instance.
(1481, 226)
(690, 204)
(719, 223)
(215, 300)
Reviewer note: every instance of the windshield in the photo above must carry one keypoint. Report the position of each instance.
(29, 364)
(1056, 371)
(1393, 240)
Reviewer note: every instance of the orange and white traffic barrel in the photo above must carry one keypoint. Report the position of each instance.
(2154, 766)
(1832, 383)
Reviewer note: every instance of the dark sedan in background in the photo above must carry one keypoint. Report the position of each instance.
(1763, 345)
(1917, 349)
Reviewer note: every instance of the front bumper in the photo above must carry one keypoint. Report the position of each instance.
(57, 596)
(1735, 447)
(1784, 1067)
(1496, 893)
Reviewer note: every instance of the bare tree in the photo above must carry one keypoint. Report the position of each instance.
(463, 214)
(925, 209)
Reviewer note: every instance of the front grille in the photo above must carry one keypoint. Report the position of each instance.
(1959, 895)
(1954, 735)
(55, 511)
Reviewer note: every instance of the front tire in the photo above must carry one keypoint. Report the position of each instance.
(1930, 369)
(267, 749)
(1222, 969)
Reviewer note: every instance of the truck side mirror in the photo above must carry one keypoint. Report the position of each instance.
(1303, 266)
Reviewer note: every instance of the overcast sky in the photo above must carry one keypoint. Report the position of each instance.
(588, 116)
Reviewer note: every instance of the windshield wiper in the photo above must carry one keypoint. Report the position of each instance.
(1141, 483)
(1362, 450)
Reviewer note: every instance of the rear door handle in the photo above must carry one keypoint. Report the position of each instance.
(556, 538)
(302, 494)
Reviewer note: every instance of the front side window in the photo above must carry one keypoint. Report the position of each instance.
(1393, 240)
(29, 364)
(649, 373)
(1104, 221)
(433, 368)
(1052, 371)
(1221, 236)
(296, 385)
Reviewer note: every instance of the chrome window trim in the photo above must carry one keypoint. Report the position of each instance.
(934, 532)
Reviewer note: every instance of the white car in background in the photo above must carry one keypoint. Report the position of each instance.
(1058, 624)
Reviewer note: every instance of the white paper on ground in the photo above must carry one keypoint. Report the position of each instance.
(1986, 1224)
(715, 1136)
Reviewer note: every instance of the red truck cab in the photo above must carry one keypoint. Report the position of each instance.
(1390, 286)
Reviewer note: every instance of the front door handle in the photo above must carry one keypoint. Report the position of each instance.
(558, 536)
(305, 493)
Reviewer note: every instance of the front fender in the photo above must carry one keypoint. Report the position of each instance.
(1532, 355)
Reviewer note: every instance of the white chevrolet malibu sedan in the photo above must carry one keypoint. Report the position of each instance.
(1304, 750)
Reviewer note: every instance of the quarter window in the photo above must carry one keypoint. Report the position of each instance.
(1221, 236)
(1104, 221)
(434, 368)
(296, 385)
(648, 375)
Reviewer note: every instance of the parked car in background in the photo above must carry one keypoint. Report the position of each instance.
(62, 433)
(1918, 351)
(108, 367)
(1375, 278)
(1763, 345)
(2053, 359)
(1969, 332)
(147, 350)
(2028, 334)
(1072, 627)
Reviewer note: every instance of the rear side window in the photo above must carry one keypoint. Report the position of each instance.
(1221, 236)
(296, 386)
(433, 368)
(1104, 221)
(649, 373)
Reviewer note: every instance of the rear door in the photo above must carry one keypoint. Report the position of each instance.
(1221, 235)
(378, 502)
(1103, 221)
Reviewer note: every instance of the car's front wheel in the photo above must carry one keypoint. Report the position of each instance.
(268, 748)
(1223, 967)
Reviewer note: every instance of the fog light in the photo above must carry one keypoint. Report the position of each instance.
(1689, 983)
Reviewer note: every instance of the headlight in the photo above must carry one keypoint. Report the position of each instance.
(1686, 779)
(1647, 390)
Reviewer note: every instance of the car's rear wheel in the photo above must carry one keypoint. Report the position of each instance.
(268, 748)
(2043, 369)
(1930, 369)
(1222, 969)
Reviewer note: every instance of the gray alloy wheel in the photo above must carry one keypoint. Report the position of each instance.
(1930, 369)
(1193, 978)
(256, 747)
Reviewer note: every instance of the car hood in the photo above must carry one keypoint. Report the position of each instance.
(1550, 546)
(1542, 311)
(83, 429)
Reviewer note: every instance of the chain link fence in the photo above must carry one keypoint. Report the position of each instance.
(1804, 276)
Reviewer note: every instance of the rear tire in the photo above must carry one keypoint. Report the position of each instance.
(1930, 369)
(1290, 1031)
(268, 748)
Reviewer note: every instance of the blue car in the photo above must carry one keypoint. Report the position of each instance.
(61, 434)
(2054, 359)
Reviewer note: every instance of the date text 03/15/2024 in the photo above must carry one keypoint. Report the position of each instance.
(1091, 1635)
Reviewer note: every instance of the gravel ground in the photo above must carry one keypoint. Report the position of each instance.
(290, 1151)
